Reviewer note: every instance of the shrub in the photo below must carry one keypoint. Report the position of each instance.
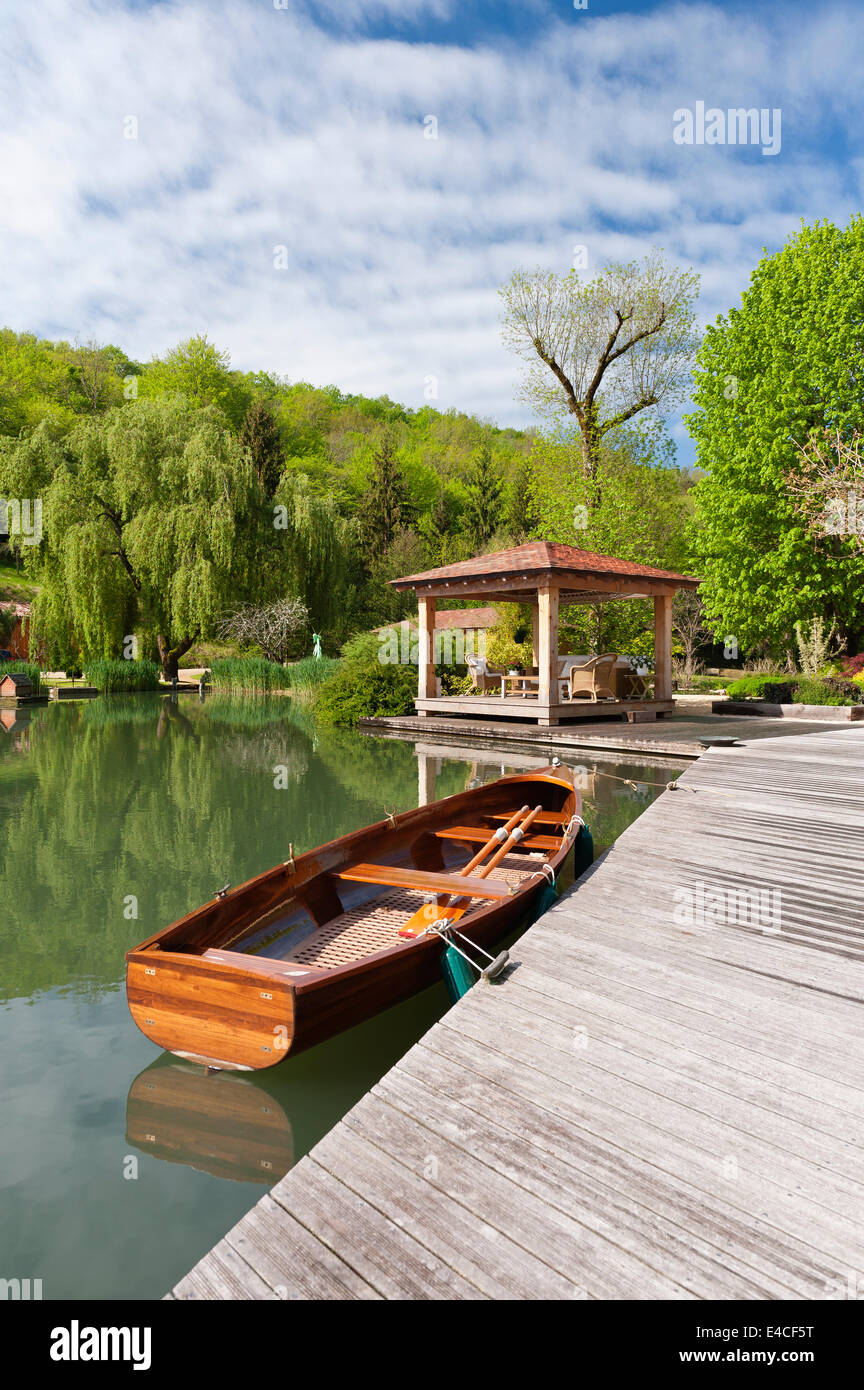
(114, 676)
(853, 666)
(709, 683)
(817, 645)
(455, 680)
(768, 687)
(251, 673)
(503, 651)
(364, 687)
(809, 690)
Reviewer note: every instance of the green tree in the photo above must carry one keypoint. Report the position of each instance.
(197, 371)
(485, 491)
(635, 507)
(385, 505)
(151, 515)
(259, 434)
(771, 376)
(606, 350)
(311, 555)
(523, 513)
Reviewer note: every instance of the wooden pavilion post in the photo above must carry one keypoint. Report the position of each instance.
(426, 652)
(535, 635)
(547, 615)
(662, 646)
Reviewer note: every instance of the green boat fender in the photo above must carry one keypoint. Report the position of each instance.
(583, 851)
(458, 975)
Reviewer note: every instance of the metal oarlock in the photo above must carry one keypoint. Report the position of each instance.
(487, 972)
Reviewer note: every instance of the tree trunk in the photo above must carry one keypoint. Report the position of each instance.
(170, 656)
(591, 437)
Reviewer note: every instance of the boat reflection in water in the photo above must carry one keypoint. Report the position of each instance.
(229, 1124)
(254, 1126)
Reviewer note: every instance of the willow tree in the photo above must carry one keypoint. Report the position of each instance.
(606, 350)
(310, 555)
(152, 520)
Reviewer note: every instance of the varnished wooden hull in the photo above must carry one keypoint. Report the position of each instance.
(194, 995)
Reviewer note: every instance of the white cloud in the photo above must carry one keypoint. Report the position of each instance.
(258, 129)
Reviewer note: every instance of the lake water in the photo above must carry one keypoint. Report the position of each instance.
(120, 1166)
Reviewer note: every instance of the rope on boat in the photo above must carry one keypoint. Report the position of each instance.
(445, 929)
(290, 863)
(390, 817)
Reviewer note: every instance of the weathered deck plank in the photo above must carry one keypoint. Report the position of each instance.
(648, 1107)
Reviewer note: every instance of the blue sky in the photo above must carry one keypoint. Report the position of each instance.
(304, 128)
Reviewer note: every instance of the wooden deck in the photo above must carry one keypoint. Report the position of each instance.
(677, 735)
(648, 1107)
(518, 707)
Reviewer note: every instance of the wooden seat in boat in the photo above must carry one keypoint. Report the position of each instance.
(426, 881)
(542, 818)
(480, 834)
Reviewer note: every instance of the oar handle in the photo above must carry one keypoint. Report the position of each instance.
(512, 839)
(496, 839)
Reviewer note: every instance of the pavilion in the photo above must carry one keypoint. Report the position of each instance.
(545, 575)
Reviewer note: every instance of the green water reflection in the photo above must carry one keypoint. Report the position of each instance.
(140, 805)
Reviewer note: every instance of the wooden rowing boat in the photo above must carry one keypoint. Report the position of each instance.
(312, 946)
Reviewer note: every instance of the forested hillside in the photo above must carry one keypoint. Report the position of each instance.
(175, 490)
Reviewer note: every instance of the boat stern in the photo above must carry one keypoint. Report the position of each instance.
(209, 1011)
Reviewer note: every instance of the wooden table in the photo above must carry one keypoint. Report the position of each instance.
(511, 680)
(636, 687)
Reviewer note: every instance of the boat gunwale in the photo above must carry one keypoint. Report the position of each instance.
(289, 973)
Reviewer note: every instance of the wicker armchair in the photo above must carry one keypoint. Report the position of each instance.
(482, 677)
(593, 679)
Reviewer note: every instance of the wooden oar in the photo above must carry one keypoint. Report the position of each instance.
(496, 838)
(458, 906)
(418, 923)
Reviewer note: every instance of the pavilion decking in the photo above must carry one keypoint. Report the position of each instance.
(493, 707)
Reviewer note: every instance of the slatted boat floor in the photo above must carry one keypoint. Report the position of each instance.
(374, 926)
